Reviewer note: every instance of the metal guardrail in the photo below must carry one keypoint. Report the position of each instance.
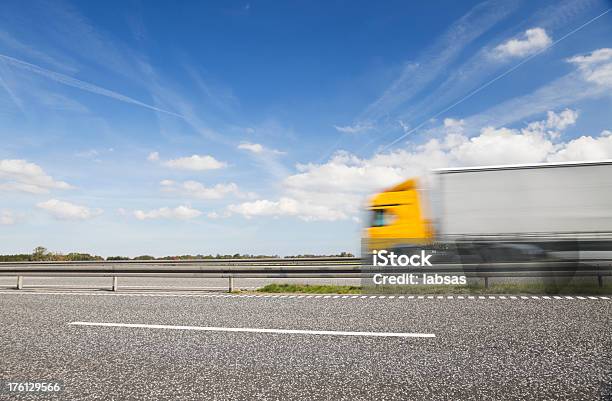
(192, 268)
(293, 268)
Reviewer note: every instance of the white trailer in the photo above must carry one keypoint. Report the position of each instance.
(572, 200)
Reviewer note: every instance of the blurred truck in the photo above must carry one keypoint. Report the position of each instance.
(500, 212)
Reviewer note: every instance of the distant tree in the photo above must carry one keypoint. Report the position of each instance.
(42, 254)
(76, 256)
(23, 257)
(39, 253)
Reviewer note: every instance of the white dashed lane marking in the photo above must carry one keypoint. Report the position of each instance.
(457, 298)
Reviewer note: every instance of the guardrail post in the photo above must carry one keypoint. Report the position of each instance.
(19, 282)
(231, 283)
(115, 284)
(486, 281)
(600, 280)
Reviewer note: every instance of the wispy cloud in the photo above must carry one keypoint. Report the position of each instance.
(7, 87)
(88, 154)
(482, 65)
(194, 189)
(595, 67)
(7, 217)
(180, 212)
(82, 85)
(165, 94)
(219, 97)
(31, 52)
(470, 77)
(195, 163)
(584, 83)
(266, 158)
(576, 92)
(416, 75)
(74, 34)
(258, 148)
(354, 129)
(94, 154)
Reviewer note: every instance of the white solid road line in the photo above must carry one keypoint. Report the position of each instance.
(250, 330)
(293, 297)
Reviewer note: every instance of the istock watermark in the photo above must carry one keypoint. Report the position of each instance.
(399, 268)
(389, 258)
(415, 279)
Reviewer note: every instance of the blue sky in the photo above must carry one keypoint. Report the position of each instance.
(262, 127)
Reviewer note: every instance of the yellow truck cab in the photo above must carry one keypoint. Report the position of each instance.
(397, 216)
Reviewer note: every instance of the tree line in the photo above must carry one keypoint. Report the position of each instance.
(41, 254)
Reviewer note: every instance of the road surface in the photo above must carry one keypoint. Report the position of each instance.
(185, 346)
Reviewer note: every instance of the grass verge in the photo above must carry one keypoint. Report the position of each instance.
(533, 289)
(311, 289)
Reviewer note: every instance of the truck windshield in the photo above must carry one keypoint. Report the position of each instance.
(379, 218)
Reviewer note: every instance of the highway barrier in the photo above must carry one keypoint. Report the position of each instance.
(297, 268)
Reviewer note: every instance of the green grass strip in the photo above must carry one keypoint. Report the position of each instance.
(310, 289)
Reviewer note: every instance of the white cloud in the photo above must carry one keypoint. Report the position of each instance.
(258, 148)
(21, 175)
(196, 163)
(555, 122)
(7, 218)
(286, 207)
(343, 172)
(179, 212)
(200, 191)
(535, 143)
(502, 146)
(153, 156)
(595, 67)
(354, 129)
(562, 120)
(585, 148)
(251, 147)
(68, 211)
(453, 123)
(533, 40)
(336, 190)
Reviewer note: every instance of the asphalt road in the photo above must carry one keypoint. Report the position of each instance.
(484, 348)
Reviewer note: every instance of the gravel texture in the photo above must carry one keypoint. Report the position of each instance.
(484, 349)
